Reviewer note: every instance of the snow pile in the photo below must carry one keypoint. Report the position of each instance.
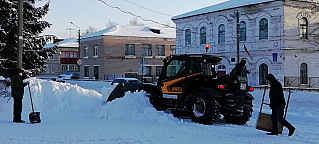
(50, 96)
(133, 106)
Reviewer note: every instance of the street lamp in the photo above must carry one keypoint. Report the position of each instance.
(79, 31)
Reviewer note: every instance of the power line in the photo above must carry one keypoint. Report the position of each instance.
(127, 12)
(212, 35)
(148, 8)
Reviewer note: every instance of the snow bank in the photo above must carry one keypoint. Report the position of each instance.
(134, 106)
(50, 96)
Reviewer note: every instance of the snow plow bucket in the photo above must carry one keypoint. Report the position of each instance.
(121, 88)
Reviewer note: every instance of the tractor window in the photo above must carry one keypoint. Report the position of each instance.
(175, 67)
(208, 69)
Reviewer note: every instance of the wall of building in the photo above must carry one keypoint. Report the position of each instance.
(112, 59)
(262, 51)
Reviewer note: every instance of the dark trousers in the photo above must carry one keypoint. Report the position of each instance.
(17, 108)
(277, 114)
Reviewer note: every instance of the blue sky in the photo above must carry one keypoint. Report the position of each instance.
(86, 13)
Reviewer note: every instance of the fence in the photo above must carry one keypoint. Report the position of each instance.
(309, 82)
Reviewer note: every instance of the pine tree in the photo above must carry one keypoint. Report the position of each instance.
(33, 55)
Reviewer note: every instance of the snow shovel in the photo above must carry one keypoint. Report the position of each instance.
(34, 117)
(264, 120)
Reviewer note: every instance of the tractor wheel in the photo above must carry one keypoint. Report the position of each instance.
(204, 109)
(240, 117)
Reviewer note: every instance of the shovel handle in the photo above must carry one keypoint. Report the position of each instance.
(30, 97)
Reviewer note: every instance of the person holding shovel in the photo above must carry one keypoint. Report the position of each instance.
(17, 91)
(277, 105)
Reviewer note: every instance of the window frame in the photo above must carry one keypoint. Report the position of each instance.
(172, 49)
(86, 52)
(263, 29)
(263, 71)
(303, 73)
(158, 48)
(95, 51)
(202, 32)
(147, 49)
(242, 31)
(188, 37)
(130, 49)
(221, 34)
(303, 28)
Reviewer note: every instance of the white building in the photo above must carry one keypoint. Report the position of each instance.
(282, 37)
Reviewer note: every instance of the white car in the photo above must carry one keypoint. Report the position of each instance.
(63, 77)
(126, 80)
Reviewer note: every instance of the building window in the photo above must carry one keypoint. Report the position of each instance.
(263, 71)
(69, 54)
(95, 51)
(221, 33)
(242, 31)
(172, 50)
(71, 68)
(158, 70)
(86, 51)
(160, 50)
(86, 71)
(203, 35)
(148, 71)
(303, 73)
(303, 28)
(64, 68)
(96, 72)
(130, 49)
(263, 29)
(221, 67)
(147, 50)
(188, 36)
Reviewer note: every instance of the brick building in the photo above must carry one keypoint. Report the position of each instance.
(65, 59)
(118, 52)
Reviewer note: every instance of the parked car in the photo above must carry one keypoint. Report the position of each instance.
(126, 80)
(63, 77)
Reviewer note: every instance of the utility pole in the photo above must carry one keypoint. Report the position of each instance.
(79, 41)
(20, 36)
(237, 34)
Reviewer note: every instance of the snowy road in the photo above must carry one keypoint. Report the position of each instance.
(71, 114)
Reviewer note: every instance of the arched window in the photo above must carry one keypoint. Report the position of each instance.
(188, 35)
(263, 71)
(303, 28)
(203, 35)
(242, 31)
(263, 29)
(303, 73)
(221, 33)
(221, 67)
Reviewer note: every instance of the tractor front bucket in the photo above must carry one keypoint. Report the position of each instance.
(121, 88)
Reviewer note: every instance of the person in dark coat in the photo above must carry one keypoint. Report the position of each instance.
(17, 91)
(277, 105)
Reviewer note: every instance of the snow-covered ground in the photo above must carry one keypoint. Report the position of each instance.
(75, 112)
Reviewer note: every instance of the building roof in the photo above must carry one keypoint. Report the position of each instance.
(221, 6)
(70, 42)
(134, 31)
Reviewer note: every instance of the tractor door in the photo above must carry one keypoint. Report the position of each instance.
(174, 78)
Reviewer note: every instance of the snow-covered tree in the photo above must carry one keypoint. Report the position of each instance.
(33, 55)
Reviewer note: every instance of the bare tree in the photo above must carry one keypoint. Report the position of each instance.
(89, 30)
(135, 22)
(111, 23)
